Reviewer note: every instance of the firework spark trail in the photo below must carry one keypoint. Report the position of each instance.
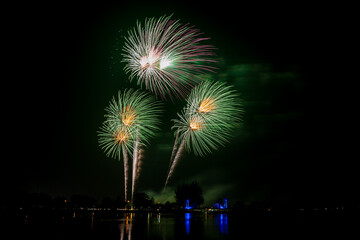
(139, 163)
(207, 121)
(176, 145)
(176, 159)
(166, 56)
(135, 160)
(126, 170)
(130, 122)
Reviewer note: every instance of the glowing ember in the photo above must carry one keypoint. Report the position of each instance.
(128, 116)
(121, 136)
(150, 60)
(195, 123)
(207, 105)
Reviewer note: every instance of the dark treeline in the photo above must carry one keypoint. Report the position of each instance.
(25, 200)
(191, 193)
(142, 201)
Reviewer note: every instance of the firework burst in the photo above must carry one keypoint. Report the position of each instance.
(207, 121)
(166, 56)
(131, 121)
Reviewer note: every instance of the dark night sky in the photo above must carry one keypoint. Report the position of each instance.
(293, 143)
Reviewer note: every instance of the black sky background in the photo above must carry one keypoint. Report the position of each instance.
(293, 143)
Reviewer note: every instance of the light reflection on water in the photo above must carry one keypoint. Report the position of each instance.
(127, 226)
(187, 222)
(222, 223)
(168, 228)
(193, 225)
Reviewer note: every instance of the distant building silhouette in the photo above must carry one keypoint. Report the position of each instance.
(221, 204)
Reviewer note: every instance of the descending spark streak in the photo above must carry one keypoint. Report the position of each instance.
(139, 163)
(207, 121)
(135, 160)
(126, 169)
(176, 145)
(176, 159)
(131, 121)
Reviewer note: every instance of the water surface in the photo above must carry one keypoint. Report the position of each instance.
(195, 225)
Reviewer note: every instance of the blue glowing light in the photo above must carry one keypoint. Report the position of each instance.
(187, 222)
(224, 204)
(187, 206)
(222, 221)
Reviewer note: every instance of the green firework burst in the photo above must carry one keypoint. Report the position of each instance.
(212, 111)
(166, 56)
(133, 116)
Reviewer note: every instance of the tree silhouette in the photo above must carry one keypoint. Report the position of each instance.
(192, 191)
(79, 200)
(142, 200)
(107, 202)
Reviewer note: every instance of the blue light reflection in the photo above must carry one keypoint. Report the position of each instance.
(222, 222)
(187, 222)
